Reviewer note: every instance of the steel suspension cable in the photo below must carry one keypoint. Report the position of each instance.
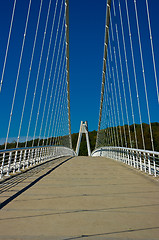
(64, 104)
(53, 103)
(67, 67)
(120, 97)
(8, 42)
(105, 123)
(59, 79)
(111, 125)
(128, 76)
(55, 87)
(135, 76)
(62, 110)
(117, 74)
(57, 93)
(112, 105)
(56, 126)
(38, 72)
(113, 102)
(115, 89)
(121, 139)
(63, 116)
(125, 100)
(44, 77)
(107, 113)
(104, 61)
(152, 50)
(17, 77)
(29, 74)
(49, 79)
(143, 73)
(53, 79)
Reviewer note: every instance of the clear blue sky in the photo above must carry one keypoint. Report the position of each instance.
(87, 24)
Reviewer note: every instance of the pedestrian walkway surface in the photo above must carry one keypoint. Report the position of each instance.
(81, 198)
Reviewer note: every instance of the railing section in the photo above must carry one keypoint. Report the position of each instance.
(13, 161)
(144, 160)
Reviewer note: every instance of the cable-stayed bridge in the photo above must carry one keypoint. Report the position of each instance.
(35, 102)
(34, 88)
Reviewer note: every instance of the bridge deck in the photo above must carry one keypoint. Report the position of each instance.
(83, 198)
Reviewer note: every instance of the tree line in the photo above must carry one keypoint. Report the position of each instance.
(105, 138)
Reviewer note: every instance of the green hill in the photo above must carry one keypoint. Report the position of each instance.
(103, 138)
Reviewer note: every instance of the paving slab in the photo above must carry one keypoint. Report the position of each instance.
(82, 198)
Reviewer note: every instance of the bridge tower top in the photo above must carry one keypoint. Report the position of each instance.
(83, 129)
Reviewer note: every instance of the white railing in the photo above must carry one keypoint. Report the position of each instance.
(13, 161)
(145, 160)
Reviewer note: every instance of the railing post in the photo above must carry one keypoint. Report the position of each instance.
(119, 156)
(116, 154)
(128, 157)
(32, 157)
(145, 162)
(124, 159)
(137, 160)
(49, 152)
(38, 155)
(134, 160)
(100, 152)
(154, 165)
(15, 162)
(140, 161)
(35, 156)
(20, 160)
(2, 166)
(131, 155)
(28, 159)
(24, 158)
(149, 163)
(43, 154)
(125, 156)
(9, 163)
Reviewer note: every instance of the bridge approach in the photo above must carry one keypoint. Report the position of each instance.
(80, 198)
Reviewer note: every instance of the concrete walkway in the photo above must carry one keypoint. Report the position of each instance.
(82, 198)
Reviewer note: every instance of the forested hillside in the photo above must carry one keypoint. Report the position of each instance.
(103, 138)
(104, 141)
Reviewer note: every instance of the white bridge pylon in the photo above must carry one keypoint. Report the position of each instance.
(83, 129)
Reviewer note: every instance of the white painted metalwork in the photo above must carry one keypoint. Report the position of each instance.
(135, 75)
(68, 68)
(104, 60)
(29, 74)
(117, 73)
(128, 77)
(8, 42)
(18, 72)
(143, 73)
(38, 72)
(147, 161)
(46, 67)
(126, 65)
(152, 50)
(83, 129)
(13, 161)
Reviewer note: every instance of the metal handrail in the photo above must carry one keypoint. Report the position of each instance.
(15, 160)
(145, 160)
